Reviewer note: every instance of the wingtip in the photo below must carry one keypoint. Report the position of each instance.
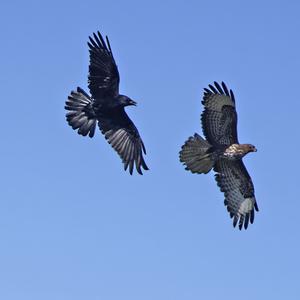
(146, 168)
(235, 220)
(225, 88)
(232, 96)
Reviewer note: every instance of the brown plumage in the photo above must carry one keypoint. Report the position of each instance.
(239, 150)
(222, 152)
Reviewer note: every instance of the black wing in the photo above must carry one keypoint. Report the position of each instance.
(219, 118)
(124, 137)
(103, 80)
(233, 179)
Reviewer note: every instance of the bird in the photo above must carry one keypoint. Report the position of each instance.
(222, 152)
(106, 107)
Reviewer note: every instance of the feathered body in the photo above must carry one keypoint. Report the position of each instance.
(222, 152)
(106, 107)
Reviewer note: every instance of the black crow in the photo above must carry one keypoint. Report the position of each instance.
(106, 106)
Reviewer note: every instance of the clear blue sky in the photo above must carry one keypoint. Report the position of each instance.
(74, 225)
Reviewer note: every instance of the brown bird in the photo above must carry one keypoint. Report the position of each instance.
(222, 152)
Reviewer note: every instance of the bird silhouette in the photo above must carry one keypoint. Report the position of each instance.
(106, 106)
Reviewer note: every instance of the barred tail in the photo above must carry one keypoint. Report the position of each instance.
(196, 155)
(81, 115)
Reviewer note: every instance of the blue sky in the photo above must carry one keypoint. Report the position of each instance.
(74, 225)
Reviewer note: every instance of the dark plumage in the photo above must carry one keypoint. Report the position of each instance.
(222, 152)
(106, 107)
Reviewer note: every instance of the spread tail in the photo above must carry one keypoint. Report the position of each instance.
(197, 155)
(81, 115)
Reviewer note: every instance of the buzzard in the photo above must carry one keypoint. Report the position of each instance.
(105, 107)
(222, 152)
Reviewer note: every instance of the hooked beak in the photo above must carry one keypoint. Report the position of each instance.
(131, 102)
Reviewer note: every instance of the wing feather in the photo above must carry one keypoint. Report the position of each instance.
(124, 137)
(104, 78)
(219, 118)
(219, 88)
(225, 89)
(235, 182)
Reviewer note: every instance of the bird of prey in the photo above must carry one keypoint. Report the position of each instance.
(222, 152)
(106, 106)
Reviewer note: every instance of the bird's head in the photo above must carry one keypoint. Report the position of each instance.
(125, 101)
(251, 148)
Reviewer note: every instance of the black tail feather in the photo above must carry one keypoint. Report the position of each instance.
(81, 115)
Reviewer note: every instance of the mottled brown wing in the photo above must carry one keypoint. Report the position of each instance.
(104, 79)
(234, 181)
(124, 137)
(219, 118)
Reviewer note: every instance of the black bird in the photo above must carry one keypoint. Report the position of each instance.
(222, 152)
(106, 106)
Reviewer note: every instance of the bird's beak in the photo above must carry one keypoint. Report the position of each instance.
(131, 102)
(254, 150)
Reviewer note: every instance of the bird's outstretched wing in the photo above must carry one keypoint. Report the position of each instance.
(124, 137)
(219, 118)
(233, 179)
(103, 80)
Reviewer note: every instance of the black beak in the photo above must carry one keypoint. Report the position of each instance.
(131, 102)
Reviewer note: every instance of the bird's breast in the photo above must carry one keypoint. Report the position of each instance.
(234, 151)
